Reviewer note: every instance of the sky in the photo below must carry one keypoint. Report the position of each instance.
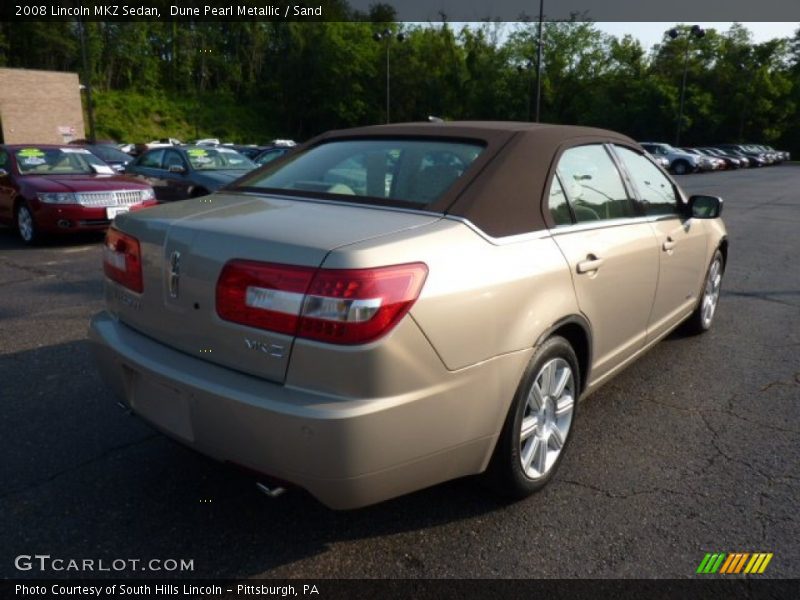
(651, 33)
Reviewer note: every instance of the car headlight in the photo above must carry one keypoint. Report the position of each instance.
(57, 198)
(148, 194)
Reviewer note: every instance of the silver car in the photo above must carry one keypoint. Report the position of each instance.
(392, 307)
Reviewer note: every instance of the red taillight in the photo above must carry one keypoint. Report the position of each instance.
(263, 295)
(340, 306)
(122, 260)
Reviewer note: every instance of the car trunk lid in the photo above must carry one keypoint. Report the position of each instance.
(185, 245)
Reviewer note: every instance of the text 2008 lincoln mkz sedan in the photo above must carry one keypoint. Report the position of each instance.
(391, 307)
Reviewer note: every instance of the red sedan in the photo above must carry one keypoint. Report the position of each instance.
(59, 189)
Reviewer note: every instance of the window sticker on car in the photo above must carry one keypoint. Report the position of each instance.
(196, 152)
(28, 152)
(33, 160)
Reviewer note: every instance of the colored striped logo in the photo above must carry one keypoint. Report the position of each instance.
(734, 563)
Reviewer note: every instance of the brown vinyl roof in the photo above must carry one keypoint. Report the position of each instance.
(502, 192)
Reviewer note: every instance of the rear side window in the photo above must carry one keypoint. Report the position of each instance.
(656, 193)
(593, 184)
(412, 171)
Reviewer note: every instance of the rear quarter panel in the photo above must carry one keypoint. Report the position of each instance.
(483, 297)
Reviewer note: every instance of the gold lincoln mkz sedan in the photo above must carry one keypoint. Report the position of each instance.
(390, 307)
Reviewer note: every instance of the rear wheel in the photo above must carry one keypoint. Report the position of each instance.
(537, 429)
(26, 224)
(702, 318)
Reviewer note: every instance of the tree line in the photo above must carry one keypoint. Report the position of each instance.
(251, 81)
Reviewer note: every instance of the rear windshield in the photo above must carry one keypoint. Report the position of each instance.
(409, 171)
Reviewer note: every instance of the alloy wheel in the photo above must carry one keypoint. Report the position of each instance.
(711, 292)
(25, 223)
(547, 418)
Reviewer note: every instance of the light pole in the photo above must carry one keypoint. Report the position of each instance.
(539, 61)
(524, 69)
(751, 65)
(698, 32)
(386, 36)
(87, 77)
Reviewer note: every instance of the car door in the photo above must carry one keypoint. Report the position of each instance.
(611, 251)
(149, 168)
(682, 241)
(177, 184)
(6, 187)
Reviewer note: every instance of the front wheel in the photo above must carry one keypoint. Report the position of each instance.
(538, 425)
(26, 225)
(701, 319)
(681, 167)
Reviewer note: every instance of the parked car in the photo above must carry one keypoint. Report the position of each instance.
(364, 340)
(248, 150)
(731, 162)
(111, 155)
(759, 159)
(267, 155)
(62, 189)
(748, 161)
(182, 172)
(706, 163)
(661, 161)
(680, 162)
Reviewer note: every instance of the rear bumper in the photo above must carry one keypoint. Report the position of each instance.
(346, 452)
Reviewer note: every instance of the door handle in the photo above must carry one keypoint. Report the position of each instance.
(591, 264)
(669, 244)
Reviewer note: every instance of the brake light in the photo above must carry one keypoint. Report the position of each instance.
(262, 295)
(339, 306)
(122, 260)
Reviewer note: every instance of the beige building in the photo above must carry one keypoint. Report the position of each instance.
(42, 107)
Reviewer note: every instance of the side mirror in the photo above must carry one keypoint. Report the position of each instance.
(3, 173)
(705, 207)
(177, 169)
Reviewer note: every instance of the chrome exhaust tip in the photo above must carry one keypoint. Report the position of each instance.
(272, 492)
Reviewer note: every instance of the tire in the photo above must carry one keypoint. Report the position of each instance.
(199, 192)
(702, 318)
(525, 459)
(26, 224)
(681, 167)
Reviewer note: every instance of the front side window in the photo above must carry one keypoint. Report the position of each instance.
(152, 160)
(657, 195)
(415, 171)
(173, 159)
(593, 184)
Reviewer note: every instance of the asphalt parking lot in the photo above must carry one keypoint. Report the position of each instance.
(693, 449)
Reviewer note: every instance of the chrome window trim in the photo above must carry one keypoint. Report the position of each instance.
(516, 238)
(605, 224)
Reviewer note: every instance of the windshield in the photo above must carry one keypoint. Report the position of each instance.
(413, 171)
(59, 161)
(216, 159)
